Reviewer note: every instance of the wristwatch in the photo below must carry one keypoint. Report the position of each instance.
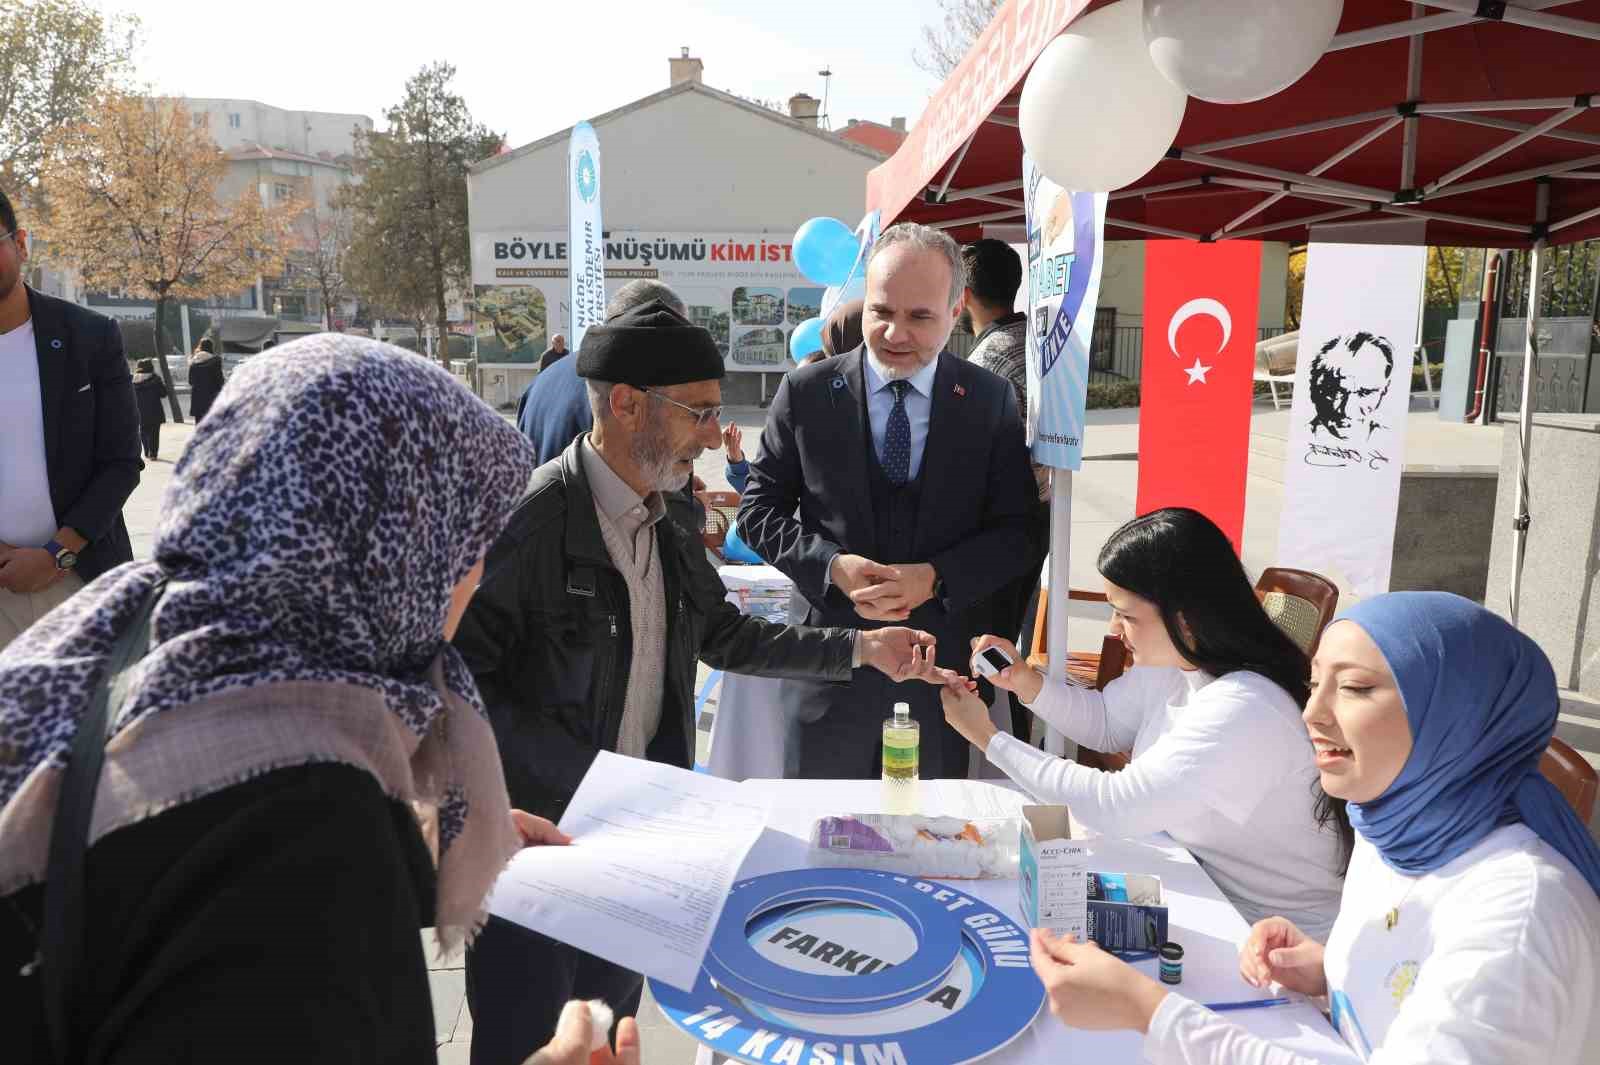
(65, 557)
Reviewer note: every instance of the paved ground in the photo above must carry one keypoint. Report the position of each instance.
(1103, 498)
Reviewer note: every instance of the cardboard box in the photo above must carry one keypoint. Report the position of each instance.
(1126, 911)
(1059, 890)
(1053, 872)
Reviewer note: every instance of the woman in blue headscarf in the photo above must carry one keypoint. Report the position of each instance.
(1469, 931)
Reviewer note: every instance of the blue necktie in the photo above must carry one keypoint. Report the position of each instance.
(897, 438)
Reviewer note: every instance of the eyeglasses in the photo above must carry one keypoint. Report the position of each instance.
(703, 416)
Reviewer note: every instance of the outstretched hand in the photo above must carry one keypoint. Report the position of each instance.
(1089, 988)
(899, 653)
(574, 1036)
(1018, 677)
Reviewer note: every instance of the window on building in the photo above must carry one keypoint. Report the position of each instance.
(233, 120)
(282, 192)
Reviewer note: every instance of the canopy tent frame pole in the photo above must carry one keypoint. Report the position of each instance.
(1447, 20)
(1538, 20)
(1408, 150)
(1060, 587)
(1512, 126)
(992, 216)
(1539, 103)
(1160, 231)
(1572, 220)
(1151, 190)
(1307, 220)
(1530, 355)
(1503, 148)
(1546, 170)
(1327, 164)
(1360, 192)
(1320, 126)
(950, 175)
(951, 196)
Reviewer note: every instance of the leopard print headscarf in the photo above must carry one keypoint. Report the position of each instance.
(312, 531)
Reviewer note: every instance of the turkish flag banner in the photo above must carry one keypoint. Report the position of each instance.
(1200, 303)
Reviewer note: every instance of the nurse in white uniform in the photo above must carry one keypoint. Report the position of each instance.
(1469, 930)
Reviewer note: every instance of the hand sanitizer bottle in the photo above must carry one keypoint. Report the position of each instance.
(901, 736)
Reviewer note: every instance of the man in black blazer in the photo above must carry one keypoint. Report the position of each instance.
(69, 443)
(892, 486)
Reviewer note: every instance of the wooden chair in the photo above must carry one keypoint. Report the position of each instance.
(721, 510)
(1573, 777)
(1299, 602)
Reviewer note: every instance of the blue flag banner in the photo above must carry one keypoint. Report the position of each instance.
(587, 271)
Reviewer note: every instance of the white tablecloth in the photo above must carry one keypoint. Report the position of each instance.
(751, 736)
(1207, 926)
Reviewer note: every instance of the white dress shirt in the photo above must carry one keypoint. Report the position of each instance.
(919, 408)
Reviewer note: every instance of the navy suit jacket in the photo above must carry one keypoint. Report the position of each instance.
(91, 427)
(809, 498)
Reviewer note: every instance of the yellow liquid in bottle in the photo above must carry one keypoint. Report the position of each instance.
(901, 739)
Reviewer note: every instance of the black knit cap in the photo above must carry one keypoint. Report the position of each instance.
(649, 346)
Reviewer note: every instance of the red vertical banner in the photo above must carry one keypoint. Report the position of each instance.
(1200, 310)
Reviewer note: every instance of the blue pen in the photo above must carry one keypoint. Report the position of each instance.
(1247, 1004)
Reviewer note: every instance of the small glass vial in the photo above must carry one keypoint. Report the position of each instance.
(901, 738)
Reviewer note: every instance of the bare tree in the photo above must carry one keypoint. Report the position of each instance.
(944, 45)
(328, 230)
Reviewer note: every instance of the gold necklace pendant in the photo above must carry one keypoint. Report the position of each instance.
(1391, 919)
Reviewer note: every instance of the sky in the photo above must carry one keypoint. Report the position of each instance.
(531, 68)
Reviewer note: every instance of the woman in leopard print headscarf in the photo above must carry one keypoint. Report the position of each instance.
(301, 748)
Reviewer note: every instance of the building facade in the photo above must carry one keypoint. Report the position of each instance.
(697, 171)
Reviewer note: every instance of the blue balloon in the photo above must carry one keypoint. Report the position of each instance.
(824, 250)
(806, 338)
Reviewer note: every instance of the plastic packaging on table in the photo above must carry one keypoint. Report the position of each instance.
(949, 848)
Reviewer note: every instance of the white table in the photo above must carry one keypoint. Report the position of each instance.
(1207, 926)
(752, 735)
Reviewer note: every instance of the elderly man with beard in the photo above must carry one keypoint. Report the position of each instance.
(892, 486)
(584, 633)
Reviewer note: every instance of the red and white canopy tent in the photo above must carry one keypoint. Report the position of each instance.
(1471, 117)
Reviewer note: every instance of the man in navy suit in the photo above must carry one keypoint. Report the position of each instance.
(69, 443)
(892, 486)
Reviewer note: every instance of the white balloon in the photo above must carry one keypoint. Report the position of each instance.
(1236, 51)
(1096, 114)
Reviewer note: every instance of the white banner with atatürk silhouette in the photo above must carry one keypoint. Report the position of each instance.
(1347, 428)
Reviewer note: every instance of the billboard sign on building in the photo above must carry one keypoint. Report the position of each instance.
(743, 287)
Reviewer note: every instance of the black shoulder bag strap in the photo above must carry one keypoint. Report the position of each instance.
(63, 942)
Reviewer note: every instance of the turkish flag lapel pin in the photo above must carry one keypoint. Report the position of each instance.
(960, 391)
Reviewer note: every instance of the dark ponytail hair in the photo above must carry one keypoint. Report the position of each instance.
(1179, 560)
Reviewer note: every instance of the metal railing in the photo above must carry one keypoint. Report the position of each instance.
(1116, 353)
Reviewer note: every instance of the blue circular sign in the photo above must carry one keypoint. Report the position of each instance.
(986, 997)
(847, 975)
(587, 177)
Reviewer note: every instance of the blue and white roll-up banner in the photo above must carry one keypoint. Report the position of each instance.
(586, 236)
(1066, 233)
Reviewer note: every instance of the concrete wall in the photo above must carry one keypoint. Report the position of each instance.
(306, 132)
(1560, 600)
(691, 161)
(1443, 531)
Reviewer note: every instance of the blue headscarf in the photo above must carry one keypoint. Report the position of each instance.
(1481, 701)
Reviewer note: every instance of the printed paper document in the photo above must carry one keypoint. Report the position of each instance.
(655, 850)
